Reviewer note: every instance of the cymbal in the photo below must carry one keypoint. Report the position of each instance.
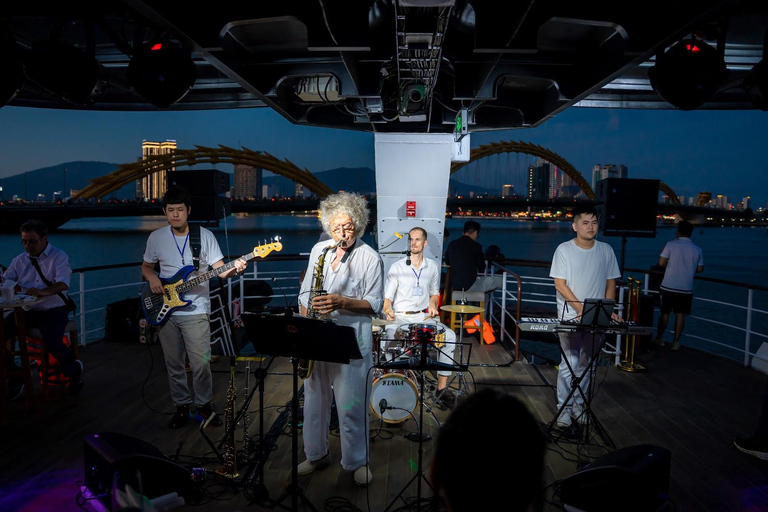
(380, 321)
(461, 308)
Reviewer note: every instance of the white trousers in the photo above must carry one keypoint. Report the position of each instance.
(578, 349)
(351, 385)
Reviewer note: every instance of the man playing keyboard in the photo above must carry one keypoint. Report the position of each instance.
(581, 268)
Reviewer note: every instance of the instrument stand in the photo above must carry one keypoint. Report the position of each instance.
(575, 386)
(260, 491)
(300, 338)
(423, 365)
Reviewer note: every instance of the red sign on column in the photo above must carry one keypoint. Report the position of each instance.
(410, 208)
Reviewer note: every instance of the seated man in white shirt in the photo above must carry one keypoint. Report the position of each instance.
(43, 271)
(411, 293)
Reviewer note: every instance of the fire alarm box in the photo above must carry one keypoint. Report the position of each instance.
(410, 208)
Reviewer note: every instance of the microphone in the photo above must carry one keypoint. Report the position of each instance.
(408, 258)
(383, 405)
(398, 235)
(288, 310)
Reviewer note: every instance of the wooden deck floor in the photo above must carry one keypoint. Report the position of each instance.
(690, 403)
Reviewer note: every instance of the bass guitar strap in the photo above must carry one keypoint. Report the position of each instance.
(195, 244)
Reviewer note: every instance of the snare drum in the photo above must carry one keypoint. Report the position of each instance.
(434, 334)
(399, 389)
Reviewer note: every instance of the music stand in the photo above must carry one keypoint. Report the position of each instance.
(298, 337)
(595, 318)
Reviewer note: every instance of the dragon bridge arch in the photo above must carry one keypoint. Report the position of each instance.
(128, 173)
(528, 148)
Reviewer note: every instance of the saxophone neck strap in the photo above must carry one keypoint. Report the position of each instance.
(348, 252)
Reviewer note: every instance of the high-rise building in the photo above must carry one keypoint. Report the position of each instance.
(603, 171)
(269, 191)
(298, 190)
(155, 184)
(538, 182)
(508, 191)
(248, 182)
(745, 202)
(720, 201)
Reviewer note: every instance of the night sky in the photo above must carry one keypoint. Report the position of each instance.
(723, 152)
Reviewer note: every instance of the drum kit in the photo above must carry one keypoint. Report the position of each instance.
(399, 388)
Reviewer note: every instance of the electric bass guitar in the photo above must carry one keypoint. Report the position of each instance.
(158, 306)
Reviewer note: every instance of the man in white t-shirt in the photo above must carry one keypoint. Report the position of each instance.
(583, 268)
(186, 333)
(411, 295)
(682, 260)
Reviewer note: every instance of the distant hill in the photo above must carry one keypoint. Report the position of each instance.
(358, 179)
(63, 177)
(363, 181)
(76, 175)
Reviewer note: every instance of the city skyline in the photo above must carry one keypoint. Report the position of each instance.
(721, 152)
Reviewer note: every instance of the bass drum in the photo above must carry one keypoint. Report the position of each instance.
(399, 389)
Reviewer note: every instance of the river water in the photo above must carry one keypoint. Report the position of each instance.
(730, 253)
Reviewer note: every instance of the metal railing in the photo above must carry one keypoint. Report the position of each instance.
(737, 332)
(723, 323)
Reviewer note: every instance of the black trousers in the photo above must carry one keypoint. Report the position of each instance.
(51, 323)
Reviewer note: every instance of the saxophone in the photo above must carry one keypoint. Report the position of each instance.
(305, 365)
(229, 468)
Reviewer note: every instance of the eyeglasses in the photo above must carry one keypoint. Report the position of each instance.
(346, 227)
(30, 242)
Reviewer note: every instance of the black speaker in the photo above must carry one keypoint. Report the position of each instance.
(108, 453)
(207, 188)
(627, 207)
(204, 182)
(121, 322)
(632, 479)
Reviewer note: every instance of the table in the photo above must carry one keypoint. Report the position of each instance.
(17, 305)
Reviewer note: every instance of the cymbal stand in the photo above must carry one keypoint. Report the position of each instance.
(421, 436)
(463, 385)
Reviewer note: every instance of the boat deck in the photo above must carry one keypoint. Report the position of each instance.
(688, 402)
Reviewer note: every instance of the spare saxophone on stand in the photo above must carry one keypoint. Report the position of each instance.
(305, 366)
(633, 315)
(229, 468)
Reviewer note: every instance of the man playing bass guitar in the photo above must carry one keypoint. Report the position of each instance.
(186, 332)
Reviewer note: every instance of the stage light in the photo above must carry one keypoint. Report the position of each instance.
(688, 73)
(11, 74)
(162, 73)
(66, 71)
(756, 85)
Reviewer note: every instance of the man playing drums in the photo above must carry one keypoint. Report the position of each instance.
(411, 293)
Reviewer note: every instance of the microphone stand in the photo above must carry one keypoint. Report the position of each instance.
(421, 437)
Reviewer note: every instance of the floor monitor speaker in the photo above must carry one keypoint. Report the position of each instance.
(109, 453)
(627, 207)
(632, 479)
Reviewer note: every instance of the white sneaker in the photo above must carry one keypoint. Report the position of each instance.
(676, 345)
(310, 466)
(580, 416)
(363, 476)
(564, 420)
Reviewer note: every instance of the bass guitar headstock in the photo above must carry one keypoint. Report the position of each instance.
(263, 250)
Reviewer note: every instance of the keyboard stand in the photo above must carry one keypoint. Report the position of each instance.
(576, 380)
